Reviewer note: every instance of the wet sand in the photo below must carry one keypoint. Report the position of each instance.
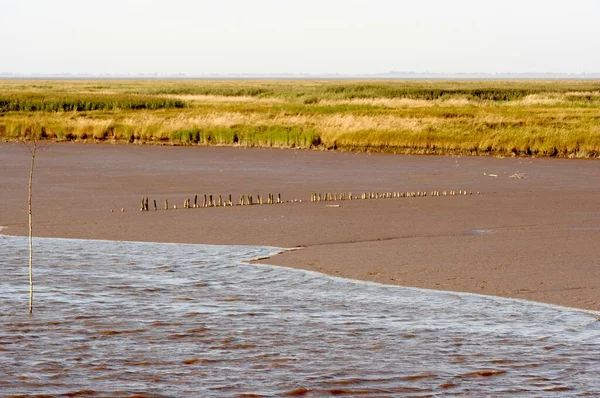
(536, 238)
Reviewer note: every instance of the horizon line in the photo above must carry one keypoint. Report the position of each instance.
(393, 75)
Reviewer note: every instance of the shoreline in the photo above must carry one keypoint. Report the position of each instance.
(541, 245)
(417, 151)
(264, 261)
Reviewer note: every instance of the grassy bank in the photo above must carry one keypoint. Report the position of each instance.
(543, 118)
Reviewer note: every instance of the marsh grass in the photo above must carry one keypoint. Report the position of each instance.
(48, 102)
(544, 118)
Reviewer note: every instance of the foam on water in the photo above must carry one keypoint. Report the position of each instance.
(120, 318)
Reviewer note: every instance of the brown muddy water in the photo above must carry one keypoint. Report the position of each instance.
(121, 319)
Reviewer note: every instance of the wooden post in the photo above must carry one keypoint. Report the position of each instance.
(142, 204)
(210, 201)
(350, 195)
(278, 198)
(220, 201)
(32, 150)
(155, 208)
(230, 201)
(166, 204)
(204, 202)
(195, 201)
(259, 198)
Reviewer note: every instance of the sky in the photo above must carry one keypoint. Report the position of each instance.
(197, 37)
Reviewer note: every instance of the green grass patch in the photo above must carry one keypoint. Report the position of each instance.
(46, 102)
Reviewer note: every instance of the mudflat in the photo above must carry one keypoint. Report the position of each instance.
(533, 232)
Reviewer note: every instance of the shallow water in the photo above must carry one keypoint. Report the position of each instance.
(117, 319)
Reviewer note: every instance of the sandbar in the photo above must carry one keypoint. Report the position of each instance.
(536, 237)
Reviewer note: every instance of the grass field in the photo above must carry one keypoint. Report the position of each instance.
(502, 118)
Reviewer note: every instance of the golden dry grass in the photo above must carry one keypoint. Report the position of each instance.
(502, 118)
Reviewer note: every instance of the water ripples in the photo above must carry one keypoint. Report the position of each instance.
(119, 319)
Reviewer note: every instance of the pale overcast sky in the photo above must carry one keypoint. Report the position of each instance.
(307, 36)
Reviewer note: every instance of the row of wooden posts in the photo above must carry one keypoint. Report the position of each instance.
(216, 201)
(328, 197)
(246, 200)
